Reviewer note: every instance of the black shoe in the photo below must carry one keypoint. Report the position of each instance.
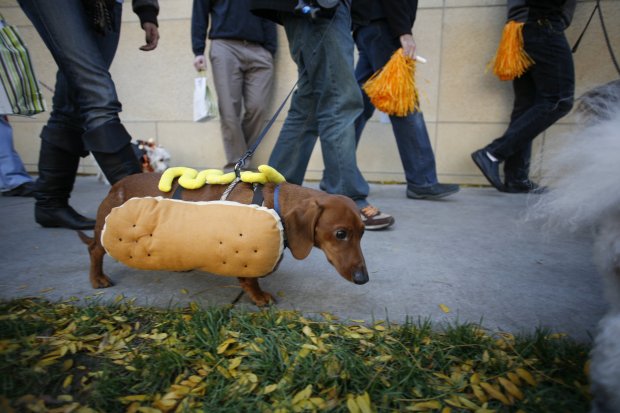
(524, 186)
(434, 191)
(61, 217)
(489, 168)
(25, 189)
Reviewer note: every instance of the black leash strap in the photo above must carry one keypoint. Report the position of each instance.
(258, 198)
(250, 151)
(611, 51)
(241, 162)
(596, 6)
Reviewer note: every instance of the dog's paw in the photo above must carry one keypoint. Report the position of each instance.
(102, 281)
(263, 299)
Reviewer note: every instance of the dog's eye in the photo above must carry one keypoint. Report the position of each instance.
(341, 234)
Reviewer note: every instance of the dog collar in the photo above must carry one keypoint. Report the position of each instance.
(276, 201)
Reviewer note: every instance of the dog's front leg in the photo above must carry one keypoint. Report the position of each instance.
(252, 289)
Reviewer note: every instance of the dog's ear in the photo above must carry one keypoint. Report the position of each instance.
(299, 224)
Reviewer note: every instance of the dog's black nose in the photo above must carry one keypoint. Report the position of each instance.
(360, 276)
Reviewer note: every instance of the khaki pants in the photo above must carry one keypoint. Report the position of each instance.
(243, 77)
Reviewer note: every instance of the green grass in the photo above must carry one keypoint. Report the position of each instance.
(123, 358)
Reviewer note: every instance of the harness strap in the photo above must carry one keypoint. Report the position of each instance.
(178, 193)
(232, 186)
(258, 197)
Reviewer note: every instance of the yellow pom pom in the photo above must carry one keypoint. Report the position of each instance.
(392, 89)
(511, 60)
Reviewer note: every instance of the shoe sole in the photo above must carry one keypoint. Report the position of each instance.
(379, 226)
(45, 224)
(431, 197)
(473, 157)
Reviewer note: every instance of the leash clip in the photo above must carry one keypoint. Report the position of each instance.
(241, 162)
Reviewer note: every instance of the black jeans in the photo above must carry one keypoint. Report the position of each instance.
(543, 95)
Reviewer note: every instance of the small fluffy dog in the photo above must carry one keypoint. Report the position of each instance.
(584, 175)
(152, 157)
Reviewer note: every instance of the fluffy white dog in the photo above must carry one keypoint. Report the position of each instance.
(152, 158)
(584, 177)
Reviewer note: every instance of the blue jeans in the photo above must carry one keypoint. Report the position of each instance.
(325, 105)
(85, 95)
(543, 95)
(12, 171)
(376, 45)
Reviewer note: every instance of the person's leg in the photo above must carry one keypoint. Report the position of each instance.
(551, 81)
(228, 81)
(257, 91)
(364, 69)
(415, 150)
(516, 166)
(14, 180)
(85, 98)
(57, 169)
(83, 62)
(323, 49)
(376, 46)
(85, 109)
(291, 153)
(554, 81)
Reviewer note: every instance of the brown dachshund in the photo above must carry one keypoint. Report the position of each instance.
(311, 218)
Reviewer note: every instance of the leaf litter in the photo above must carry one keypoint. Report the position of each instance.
(80, 358)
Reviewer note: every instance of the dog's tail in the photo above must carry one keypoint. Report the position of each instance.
(582, 173)
(89, 241)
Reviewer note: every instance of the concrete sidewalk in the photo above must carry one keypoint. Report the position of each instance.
(472, 252)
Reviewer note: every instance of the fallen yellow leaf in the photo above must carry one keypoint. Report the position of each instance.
(444, 308)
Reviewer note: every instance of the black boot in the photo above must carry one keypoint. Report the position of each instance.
(110, 144)
(57, 170)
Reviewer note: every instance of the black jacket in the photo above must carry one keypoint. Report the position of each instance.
(399, 14)
(532, 10)
(271, 9)
(230, 19)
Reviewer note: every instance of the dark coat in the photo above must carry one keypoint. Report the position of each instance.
(399, 14)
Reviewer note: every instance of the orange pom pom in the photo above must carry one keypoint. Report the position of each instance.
(511, 60)
(392, 89)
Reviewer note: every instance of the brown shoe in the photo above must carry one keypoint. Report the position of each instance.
(374, 219)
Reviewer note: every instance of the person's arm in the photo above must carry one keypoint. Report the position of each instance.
(400, 15)
(147, 11)
(200, 26)
(271, 36)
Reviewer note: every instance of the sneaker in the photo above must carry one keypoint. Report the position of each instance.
(434, 191)
(489, 168)
(374, 219)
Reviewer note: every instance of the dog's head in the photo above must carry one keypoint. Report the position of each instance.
(159, 158)
(333, 224)
(153, 157)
